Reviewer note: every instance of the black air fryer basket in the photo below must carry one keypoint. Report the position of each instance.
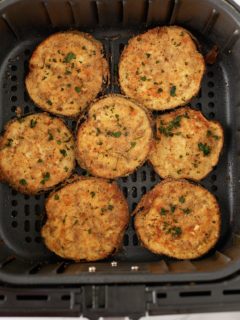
(134, 281)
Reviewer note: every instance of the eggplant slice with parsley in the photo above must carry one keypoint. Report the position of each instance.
(178, 219)
(66, 72)
(161, 68)
(36, 153)
(115, 139)
(86, 219)
(187, 145)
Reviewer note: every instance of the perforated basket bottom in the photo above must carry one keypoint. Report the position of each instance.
(21, 215)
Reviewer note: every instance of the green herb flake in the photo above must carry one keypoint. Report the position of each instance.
(172, 208)
(63, 152)
(144, 78)
(49, 102)
(133, 144)
(181, 199)
(77, 89)
(69, 57)
(33, 123)
(148, 55)
(211, 134)
(46, 177)
(204, 148)
(173, 91)
(98, 131)
(176, 231)
(40, 161)
(115, 134)
(50, 136)
(9, 143)
(163, 212)
(56, 197)
(23, 182)
(186, 211)
(110, 207)
(92, 193)
(66, 169)
(167, 129)
(157, 61)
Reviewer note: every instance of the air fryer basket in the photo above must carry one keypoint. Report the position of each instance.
(23, 24)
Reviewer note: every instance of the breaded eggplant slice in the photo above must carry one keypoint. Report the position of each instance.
(178, 219)
(66, 72)
(36, 153)
(187, 145)
(115, 139)
(161, 68)
(86, 220)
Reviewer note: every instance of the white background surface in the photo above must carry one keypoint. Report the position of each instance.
(202, 316)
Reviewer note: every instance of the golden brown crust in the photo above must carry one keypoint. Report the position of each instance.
(66, 72)
(86, 219)
(187, 144)
(178, 219)
(115, 139)
(161, 68)
(36, 153)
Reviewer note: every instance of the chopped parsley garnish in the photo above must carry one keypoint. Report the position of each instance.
(9, 142)
(186, 211)
(144, 78)
(33, 123)
(98, 131)
(66, 169)
(63, 152)
(46, 177)
(204, 148)
(77, 89)
(23, 182)
(181, 199)
(115, 134)
(148, 54)
(69, 57)
(56, 197)
(210, 134)
(50, 136)
(40, 160)
(175, 231)
(133, 144)
(110, 207)
(173, 91)
(167, 129)
(163, 212)
(172, 208)
(49, 102)
(92, 193)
